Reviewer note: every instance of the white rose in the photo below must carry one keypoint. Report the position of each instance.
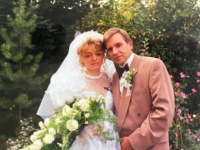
(41, 124)
(72, 125)
(48, 139)
(84, 104)
(66, 110)
(33, 138)
(46, 122)
(58, 120)
(42, 131)
(32, 147)
(85, 107)
(99, 98)
(52, 131)
(38, 144)
(87, 115)
(81, 102)
(37, 132)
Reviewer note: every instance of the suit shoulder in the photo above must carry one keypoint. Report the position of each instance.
(149, 58)
(149, 62)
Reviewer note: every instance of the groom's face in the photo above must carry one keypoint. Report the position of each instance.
(118, 49)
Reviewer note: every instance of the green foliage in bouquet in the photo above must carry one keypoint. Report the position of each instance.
(60, 130)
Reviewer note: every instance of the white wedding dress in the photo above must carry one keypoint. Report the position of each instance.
(87, 141)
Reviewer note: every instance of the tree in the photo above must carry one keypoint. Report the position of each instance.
(20, 78)
(5, 8)
(130, 15)
(62, 19)
(66, 12)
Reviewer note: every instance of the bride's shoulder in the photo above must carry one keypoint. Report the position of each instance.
(104, 75)
(105, 80)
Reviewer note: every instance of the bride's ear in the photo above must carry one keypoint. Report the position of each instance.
(82, 66)
(81, 62)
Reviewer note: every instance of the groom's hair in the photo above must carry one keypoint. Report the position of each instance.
(110, 32)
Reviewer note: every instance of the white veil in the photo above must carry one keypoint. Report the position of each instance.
(69, 80)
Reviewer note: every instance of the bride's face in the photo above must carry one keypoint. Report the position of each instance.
(92, 59)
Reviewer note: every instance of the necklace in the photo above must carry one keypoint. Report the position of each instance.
(93, 77)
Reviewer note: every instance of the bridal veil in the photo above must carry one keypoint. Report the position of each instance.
(69, 79)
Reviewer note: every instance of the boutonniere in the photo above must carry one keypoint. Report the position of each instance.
(127, 79)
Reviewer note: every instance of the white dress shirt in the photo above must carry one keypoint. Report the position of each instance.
(128, 61)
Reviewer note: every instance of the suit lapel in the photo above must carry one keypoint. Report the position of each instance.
(116, 91)
(123, 107)
(125, 99)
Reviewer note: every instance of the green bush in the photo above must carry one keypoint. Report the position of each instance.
(185, 129)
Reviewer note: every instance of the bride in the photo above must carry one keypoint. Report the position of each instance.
(85, 69)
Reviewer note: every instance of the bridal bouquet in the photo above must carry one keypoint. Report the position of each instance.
(60, 130)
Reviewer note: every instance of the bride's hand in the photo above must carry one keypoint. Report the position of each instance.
(97, 130)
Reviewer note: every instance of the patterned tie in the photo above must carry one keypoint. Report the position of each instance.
(120, 70)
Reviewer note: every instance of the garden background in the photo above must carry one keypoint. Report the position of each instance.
(34, 40)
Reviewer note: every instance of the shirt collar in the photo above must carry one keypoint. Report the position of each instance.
(128, 61)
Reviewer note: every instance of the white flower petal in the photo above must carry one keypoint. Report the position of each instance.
(72, 125)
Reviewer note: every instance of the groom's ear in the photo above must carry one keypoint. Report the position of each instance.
(130, 43)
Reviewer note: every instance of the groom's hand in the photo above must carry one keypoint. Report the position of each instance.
(125, 144)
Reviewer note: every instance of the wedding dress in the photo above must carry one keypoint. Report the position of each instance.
(86, 140)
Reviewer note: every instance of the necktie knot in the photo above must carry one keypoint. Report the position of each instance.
(120, 70)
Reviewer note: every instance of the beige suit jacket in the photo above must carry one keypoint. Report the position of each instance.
(146, 114)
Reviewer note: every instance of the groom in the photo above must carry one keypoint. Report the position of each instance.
(145, 110)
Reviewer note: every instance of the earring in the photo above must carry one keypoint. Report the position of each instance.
(82, 69)
(82, 66)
